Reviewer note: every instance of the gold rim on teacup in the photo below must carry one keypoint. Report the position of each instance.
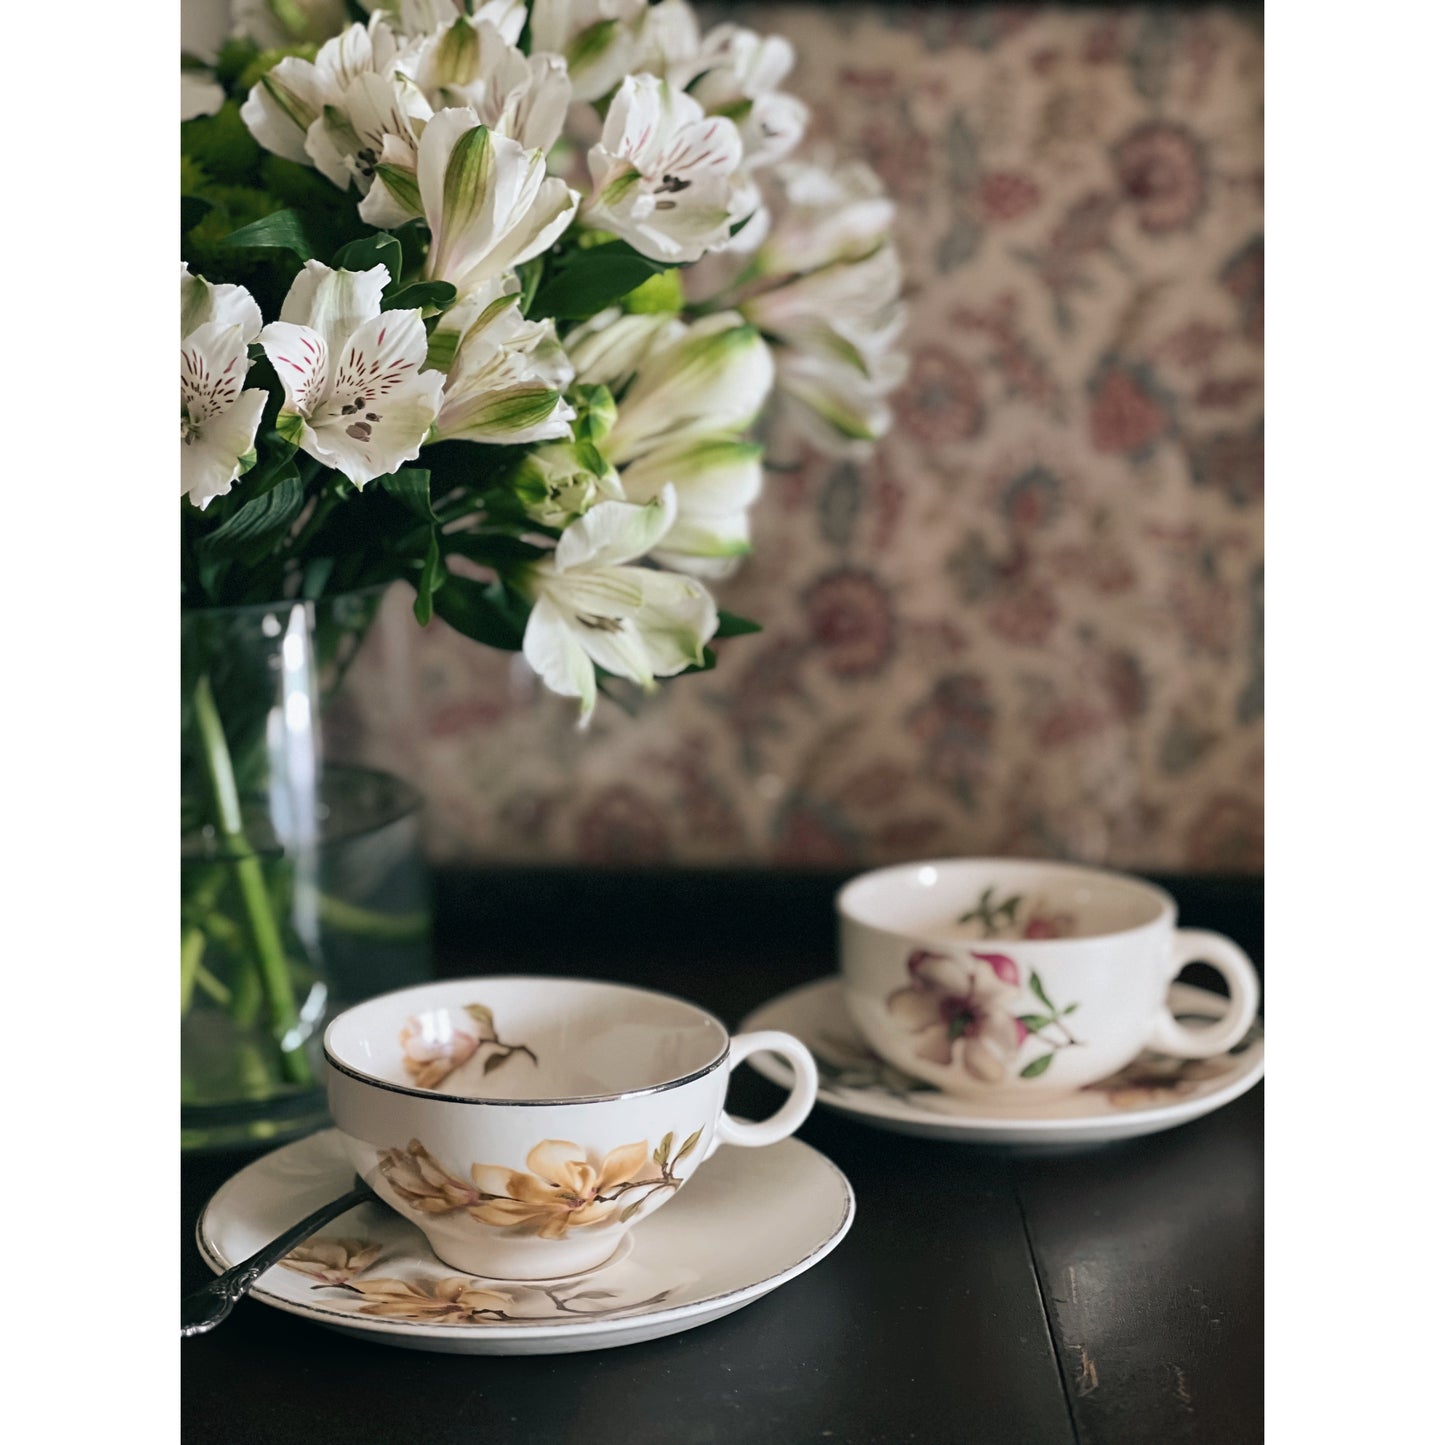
(622, 1092)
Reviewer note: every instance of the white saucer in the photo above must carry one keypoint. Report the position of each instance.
(1151, 1094)
(702, 1257)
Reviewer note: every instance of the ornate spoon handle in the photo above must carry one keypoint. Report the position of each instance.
(205, 1308)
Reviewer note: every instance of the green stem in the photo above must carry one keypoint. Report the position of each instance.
(212, 986)
(368, 923)
(270, 952)
(193, 945)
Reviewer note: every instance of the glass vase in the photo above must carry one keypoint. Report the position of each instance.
(303, 888)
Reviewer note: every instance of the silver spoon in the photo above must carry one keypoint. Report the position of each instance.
(205, 1308)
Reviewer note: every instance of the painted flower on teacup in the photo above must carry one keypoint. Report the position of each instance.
(332, 1261)
(436, 1044)
(963, 1013)
(1015, 916)
(564, 1187)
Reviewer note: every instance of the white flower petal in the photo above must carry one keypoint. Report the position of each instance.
(282, 106)
(557, 657)
(334, 303)
(299, 357)
(211, 457)
(615, 532)
(202, 302)
(381, 404)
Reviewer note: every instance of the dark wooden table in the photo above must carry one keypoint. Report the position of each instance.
(1110, 1294)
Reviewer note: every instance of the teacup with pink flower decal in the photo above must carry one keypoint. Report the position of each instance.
(1019, 981)
(526, 1124)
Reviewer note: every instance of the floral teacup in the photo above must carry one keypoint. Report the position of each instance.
(526, 1124)
(1022, 981)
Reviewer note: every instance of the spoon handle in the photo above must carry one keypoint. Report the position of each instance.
(205, 1308)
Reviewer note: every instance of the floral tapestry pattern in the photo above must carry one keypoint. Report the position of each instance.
(1032, 624)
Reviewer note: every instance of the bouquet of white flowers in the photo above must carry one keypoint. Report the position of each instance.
(441, 319)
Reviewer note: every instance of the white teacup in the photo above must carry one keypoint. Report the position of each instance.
(526, 1124)
(1017, 980)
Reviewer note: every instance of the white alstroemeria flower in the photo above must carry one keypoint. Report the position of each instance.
(376, 117)
(470, 63)
(218, 418)
(860, 294)
(687, 392)
(665, 176)
(590, 609)
(831, 214)
(423, 17)
(560, 481)
(717, 479)
(489, 204)
(696, 380)
(736, 72)
(505, 376)
(608, 348)
(288, 103)
(357, 398)
(597, 38)
(839, 408)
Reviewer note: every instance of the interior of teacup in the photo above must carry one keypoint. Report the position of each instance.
(999, 898)
(526, 1039)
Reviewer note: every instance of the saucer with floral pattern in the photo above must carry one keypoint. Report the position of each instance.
(371, 1274)
(1152, 1093)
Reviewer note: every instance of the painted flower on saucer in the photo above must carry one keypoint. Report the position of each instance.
(336, 1264)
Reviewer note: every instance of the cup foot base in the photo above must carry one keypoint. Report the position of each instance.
(623, 1249)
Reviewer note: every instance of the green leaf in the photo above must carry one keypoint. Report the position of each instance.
(484, 611)
(1036, 984)
(689, 1144)
(1068, 1010)
(280, 231)
(261, 521)
(1034, 1022)
(374, 250)
(433, 576)
(412, 487)
(629, 1212)
(729, 624)
(495, 1061)
(585, 281)
(659, 1155)
(481, 1014)
(1037, 1067)
(662, 292)
(420, 296)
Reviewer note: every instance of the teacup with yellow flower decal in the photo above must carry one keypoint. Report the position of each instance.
(525, 1124)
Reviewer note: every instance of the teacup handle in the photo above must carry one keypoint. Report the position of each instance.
(1194, 945)
(795, 1108)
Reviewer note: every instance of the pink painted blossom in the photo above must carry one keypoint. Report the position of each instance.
(960, 1012)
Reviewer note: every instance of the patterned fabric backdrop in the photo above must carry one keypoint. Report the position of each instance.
(1032, 624)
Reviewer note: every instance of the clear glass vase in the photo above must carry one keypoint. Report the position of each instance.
(303, 888)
